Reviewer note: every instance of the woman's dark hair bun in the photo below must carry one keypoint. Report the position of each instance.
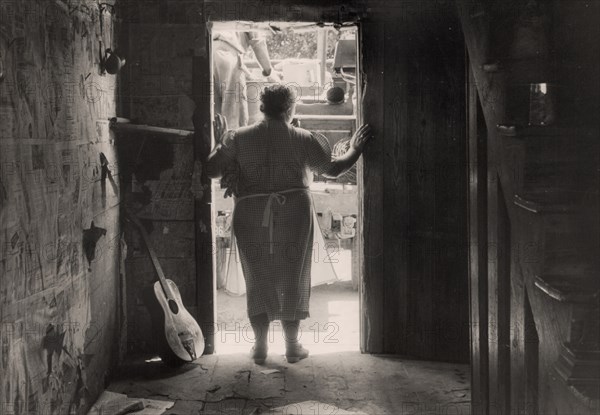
(276, 100)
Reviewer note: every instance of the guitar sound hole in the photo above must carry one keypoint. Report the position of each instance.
(173, 306)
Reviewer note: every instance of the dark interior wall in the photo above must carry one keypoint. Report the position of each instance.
(540, 209)
(162, 40)
(574, 37)
(437, 185)
(60, 233)
(156, 175)
(162, 37)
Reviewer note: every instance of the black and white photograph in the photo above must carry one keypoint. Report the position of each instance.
(300, 207)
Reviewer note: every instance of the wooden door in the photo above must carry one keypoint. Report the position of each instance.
(415, 284)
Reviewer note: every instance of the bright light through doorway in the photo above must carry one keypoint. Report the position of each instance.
(332, 327)
(321, 63)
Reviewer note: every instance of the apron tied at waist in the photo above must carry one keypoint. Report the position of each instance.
(268, 215)
(267, 221)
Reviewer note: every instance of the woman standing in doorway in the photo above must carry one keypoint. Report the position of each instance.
(268, 169)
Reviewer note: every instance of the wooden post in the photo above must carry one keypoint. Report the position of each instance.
(477, 156)
(322, 55)
(503, 292)
(370, 204)
(203, 115)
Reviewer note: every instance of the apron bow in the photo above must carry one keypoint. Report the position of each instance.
(268, 215)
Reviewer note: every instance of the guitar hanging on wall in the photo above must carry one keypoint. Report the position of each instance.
(182, 332)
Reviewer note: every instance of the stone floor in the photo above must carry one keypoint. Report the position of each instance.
(351, 381)
(336, 377)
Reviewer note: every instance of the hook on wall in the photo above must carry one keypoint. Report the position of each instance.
(111, 62)
(108, 7)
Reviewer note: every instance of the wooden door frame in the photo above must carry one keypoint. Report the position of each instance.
(478, 249)
(202, 93)
(370, 178)
(203, 96)
(489, 268)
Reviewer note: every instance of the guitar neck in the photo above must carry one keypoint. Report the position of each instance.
(153, 257)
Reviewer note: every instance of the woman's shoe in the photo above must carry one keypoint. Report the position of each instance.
(295, 353)
(259, 355)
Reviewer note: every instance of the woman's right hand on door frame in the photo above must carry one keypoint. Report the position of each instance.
(361, 137)
(220, 127)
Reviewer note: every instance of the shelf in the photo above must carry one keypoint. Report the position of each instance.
(548, 201)
(523, 70)
(145, 129)
(527, 131)
(569, 289)
(580, 370)
(493, 67)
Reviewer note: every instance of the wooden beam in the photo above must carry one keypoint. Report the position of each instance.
(322, 54)
(492, 283)
(371, 198)
(477, 252)
(503, 289)
(203, 115)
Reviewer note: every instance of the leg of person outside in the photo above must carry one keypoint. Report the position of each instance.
(260, 327)
(294, 351)
(229, 87)
(223, 64)
(230, 101)
(293, 348)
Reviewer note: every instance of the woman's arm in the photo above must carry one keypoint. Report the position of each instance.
(215, 164)
(259, 46)
(217, 159)
(342, 164)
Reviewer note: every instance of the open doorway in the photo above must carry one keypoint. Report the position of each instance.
(320, 63)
